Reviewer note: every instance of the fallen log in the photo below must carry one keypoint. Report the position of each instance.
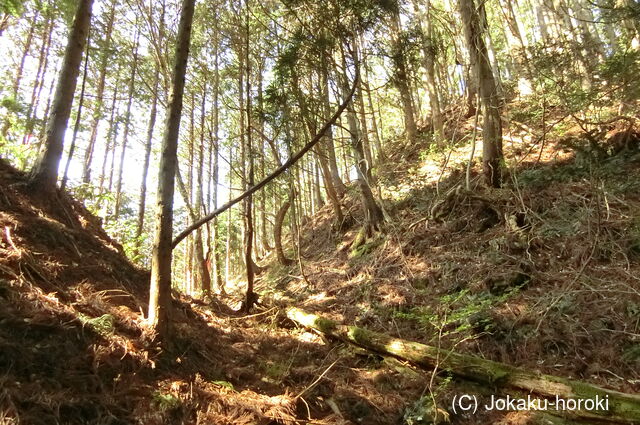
(622, 408)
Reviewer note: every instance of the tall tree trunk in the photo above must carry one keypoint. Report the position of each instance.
(277, 233)
(216, 169)
(127, 125)
(330, 149)
(44, 174)
(45, 115)
(374, 122)
(328, 184)
(187, 193)
(372, 211)
(250, 296)
(316, 185)
(366, 145)
(149, 141)
(114, 130)
(401, 77)
(263, 197)
(111, 140)
(147, 159)
(25, 53)
(97, 111)
(201, 266)
(159, 316)
(492, 126)
(76, 126)
(493, 57)
(429, 50)
(34, 105)
(43, 62)
(518, 44)
(227, 257)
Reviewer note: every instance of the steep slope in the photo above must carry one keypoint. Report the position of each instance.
(74, 349)
(72, 343)
(541, 274)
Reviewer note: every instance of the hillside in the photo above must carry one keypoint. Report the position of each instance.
(541, 274)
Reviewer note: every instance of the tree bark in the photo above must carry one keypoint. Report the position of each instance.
(429, 50)
(492, 125)
(263, 198)
(623, 408)
(250, 296)
(401, 77)
(328, 185)
(44, 174)
(216, 168)
(277, 234)
(97, 112)
(25, 53)
(147, 159)
(76, 126)
(127, 125)
(111, 140)
(372, 211)
(43, 63)
(202, 271)
(330, 149)
(159, 317)
(149, 142)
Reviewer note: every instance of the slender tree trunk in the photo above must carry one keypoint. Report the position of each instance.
(216, 169)
(227, 257)
(277, 233)
(263, 197)
(76, 126)
(373, 212)
(203, 272)
(153, 113)
(493, 57)
(43, 61)
(328, 184)
(159, 316)
(374, 124)
(111, 140)
(339, 186)
(34, 105)
(316, 185)
(147, 159)
(44, 174)
(250, 296)
(366, 145)
(518, 47)
(47, 109)
(401, 77)
(25, 53)
(192, 279)
(492, 125)
(429, 50)
(97, 111)
(127, 125)
(114, 130)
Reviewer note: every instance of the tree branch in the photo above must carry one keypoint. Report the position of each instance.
(291, 161)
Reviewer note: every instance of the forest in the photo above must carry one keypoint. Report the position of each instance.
(319, 212)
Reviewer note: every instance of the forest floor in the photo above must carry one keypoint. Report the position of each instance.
(543, 274)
